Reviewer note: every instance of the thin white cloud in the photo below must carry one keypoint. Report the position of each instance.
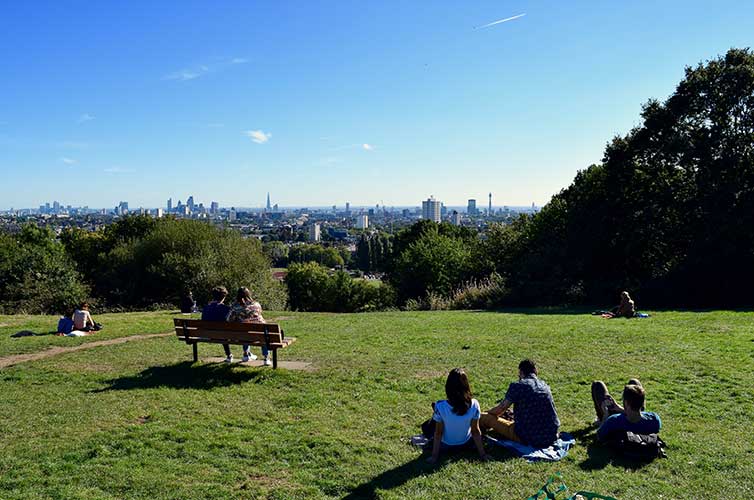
(367, 147)
(500, 21)
(258, 136)
(199, 70)
(86, 117)
(68, 161)
(118, 170)
(364, 146)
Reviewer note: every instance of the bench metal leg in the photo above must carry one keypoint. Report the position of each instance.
(196, 353)
(274, 358)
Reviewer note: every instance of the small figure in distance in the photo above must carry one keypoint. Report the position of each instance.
(218, 311)
(626, 308)
(456, 418)
(248, 310)
(65, 324)
(631, 418)
(188, 304)
(82, 319)
(535, 420)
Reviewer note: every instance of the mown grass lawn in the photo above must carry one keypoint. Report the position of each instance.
(139, 420)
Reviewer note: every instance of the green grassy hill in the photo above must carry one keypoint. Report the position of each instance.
(140, 420)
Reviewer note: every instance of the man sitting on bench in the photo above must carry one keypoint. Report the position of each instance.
(218, 311)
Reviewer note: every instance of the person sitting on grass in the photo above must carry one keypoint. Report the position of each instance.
(631, 419)
(535, 421)
(456, 418)
(248, 310)
(82, 319)
(626, 308)
(218, 311)
(605, 404)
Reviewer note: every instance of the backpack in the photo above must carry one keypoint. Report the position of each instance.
(638, 446)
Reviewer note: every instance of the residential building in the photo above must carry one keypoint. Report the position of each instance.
(431, 209)
(362, 222)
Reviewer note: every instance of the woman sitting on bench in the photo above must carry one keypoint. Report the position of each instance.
(248, 310)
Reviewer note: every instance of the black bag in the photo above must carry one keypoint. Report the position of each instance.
(638, 446)
(428, 428)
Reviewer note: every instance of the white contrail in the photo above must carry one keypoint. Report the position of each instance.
(499, 21)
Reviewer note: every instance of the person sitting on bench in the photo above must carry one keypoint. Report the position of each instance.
(218, 311)
(248, 310)
(535, 420)
(631, 418)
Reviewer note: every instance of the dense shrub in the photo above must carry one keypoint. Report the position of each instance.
(36, 275)
(305, 252)
(311, 287)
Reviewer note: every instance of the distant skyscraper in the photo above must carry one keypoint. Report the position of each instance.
(159, 213)
(455, 218)
(190, 203)
(268, 201)
(431, 209)
(348, 208)
(214, 208)
(471, 207)
(232, 214)
(170, 205)
(314, 232)
(362, 222)
(489, 207)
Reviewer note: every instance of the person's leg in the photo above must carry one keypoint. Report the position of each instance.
(246, 348)
(506, 428)
(599, 392)
(265, 351)
(226, 348)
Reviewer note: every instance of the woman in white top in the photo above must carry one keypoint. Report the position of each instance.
(457, 418)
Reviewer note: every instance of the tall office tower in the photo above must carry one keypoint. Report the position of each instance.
(170, 205)
(232, 214)
(268, 201)
(348, 208)
(431, 209)
(190, 203)
(314, 232)
(471, 207)
(455, 218)
(214, 208)
(362, 222)
(55, 206)
(489, 207)
(159, 213)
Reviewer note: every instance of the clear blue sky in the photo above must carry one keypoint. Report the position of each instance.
(139, 101)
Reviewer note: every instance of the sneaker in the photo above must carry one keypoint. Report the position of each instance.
(267, 361)
(229, 359)
(248, 356)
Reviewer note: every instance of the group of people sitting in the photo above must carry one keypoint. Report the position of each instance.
(244, 310)
(527, 413)
(79, 321)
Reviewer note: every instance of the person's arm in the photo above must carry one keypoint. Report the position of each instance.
(500, 408)
(605, 429)
(436, 443)
(476, 435)
(89, 320)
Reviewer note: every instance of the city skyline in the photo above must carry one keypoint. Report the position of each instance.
(319, 102)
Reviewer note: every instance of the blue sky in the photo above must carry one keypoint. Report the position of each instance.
(326, 102)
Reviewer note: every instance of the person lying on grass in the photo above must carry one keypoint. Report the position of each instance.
(456, 418)
(631, 419)
(604, 403)
(536, 420)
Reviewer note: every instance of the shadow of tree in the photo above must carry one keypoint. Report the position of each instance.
(187, 375)
(402, 474)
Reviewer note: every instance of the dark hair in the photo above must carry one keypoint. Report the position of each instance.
(243, 294)
(458, 391)
(84, 305)
(527, 367)
(634, 396)
(219, 293)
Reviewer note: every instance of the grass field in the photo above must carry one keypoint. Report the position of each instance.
(140, 421)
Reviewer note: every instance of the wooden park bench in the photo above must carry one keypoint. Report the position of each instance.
(193, 331)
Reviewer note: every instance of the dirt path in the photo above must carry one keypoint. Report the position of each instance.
(54, 351)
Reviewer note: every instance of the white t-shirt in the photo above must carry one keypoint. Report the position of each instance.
(456, 428)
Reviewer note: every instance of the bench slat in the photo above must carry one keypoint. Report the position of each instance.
(235, 336)
(281, 345)
(221, 325)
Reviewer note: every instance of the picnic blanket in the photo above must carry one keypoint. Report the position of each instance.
(552, 453)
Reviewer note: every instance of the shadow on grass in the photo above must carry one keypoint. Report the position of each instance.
(599, 455)
(187, 375)
(29, 333)
(402, 474)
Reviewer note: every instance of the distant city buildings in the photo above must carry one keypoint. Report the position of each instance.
(489, 207)
(471, 207)
(232, 214)
(362, 222)
(268, 202)
(431, 209)
(455, 218)
(314, 232)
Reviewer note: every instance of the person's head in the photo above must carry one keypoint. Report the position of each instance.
(526, 368)
(457, 391)
(219, 293)
(84, 306)
(633, 397)
(624, 295)
(243, 295)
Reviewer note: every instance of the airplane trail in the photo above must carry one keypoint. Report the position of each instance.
(500, 21)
